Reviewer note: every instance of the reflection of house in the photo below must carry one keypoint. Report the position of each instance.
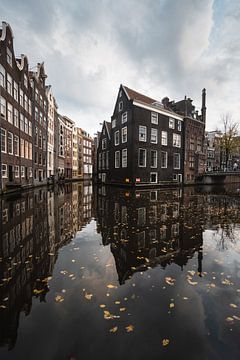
(145, 228)
(34, 227)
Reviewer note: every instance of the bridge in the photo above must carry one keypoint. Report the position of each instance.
(219, 177)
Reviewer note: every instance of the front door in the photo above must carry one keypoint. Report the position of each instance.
(10, 172)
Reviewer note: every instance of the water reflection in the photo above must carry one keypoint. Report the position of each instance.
(34, 227)
(144, 229)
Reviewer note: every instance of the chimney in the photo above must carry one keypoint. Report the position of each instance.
(204, 106)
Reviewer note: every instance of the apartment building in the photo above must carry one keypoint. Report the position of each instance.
(87, 155)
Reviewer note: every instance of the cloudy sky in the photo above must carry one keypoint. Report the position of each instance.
(159, 47)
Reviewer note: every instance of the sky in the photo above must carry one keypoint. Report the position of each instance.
(157, 47)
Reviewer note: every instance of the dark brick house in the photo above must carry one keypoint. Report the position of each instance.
(104, 143)
(146, 142)
(16, 115)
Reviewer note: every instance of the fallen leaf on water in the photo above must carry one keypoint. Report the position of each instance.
(113, 330)
(122, 309)
(165, 342)
(110, 286)
(169, 280)
(171, 305)
(236, 317)
(129, 328)
(192, 282)
(47, 279)
(88, 296)
(117, 302)
(227, 282)
(102, 306)
(192, 272)
(36, 291)
(3, 307)
(185, 298)
(229, 318)
(233, 306)
(51, 254)
(59, 298)
(108, 316)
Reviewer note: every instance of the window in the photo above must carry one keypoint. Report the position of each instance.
(191, 162)
(25, 81)
(179, 125)
(15, 118)
(9, 56)
(176, 161)
(3, 141)
(26, 125)
(163, 232)
(30, 172)
(117, 159)
(16, 171)
(164, 138)
(154, 136)
(107, 160)
(22, 171)
(175, 177)
(171, 123)
(29, 128)
(124, 158)
(124, 134)
(164, 159)
(153, 159)
(104, 141)
(142, 133)
(25, 102)
(192, 144)
(16, 145)
(120, 106)
(124, 117)
(10, 143)
(9, 84)
(154, 118)
(113, 123)
(21, 97)
(21, 122)
(142, 157)
(4, 171)
(177, 140)
(10, 113)
(3, 106)
(153, 177)
(26, 149)
(199, 145)
(141, 216)
(2, 76)
(116, 138)
(15, 90)
(22, 148)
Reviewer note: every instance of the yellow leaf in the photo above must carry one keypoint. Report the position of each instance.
(110, 286)
(185, 298)
(36, 291)
(122, 309)
(165, 342)
(129, 328)
(169, 280)
(102, 306)
(88, 296)
(171, 305)
(233, 306)
(59, 298)
(113, 330)
(236, 317)
(229, 318)
(117, 302)
(192, 282)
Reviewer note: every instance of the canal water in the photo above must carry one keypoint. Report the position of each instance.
(114, 273)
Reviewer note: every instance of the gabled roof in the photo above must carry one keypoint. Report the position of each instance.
(134, 95)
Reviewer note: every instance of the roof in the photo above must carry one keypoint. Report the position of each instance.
(108, 125)
(134, 95)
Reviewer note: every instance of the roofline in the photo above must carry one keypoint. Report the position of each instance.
(159, 111)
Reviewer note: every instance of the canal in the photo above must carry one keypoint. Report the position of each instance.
(117, 273)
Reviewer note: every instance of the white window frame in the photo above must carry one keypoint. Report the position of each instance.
(164, 139)
(124, 158)
(116, 137)
(5, 142)
(3, 109)
(104, 143)
(145, 162)
(154, 117)
(179, 125)
(152, 166)
(114, 123)
(164, 167)
(142, 130)
(9, 113)
(11, 136)
(124, 136)
(2, 77)
(124, 117)
(120, 106)
(154, 173)
(177, 140)
(16, 171)
(4, 171)
(179, 157)
(117, 158)
(171, 123)
(156, 134)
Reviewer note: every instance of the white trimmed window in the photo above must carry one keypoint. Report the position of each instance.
(153, 159)
(117, 159)
(21, 122)
(154, 136)
(142, 133)
(142, 157)
(124, 134)
(9, 56)
(26, 149)
(30, 172)
(176, 140)
(114, 122)
(30, 128)
(25, 81)
(3, 141)
(9, 84)
(3, 106)
(164, 139)
(154, 118)
(4, 171)
(153, 177)
(2, 76)
(15, 118)
(176, 161)
(116, 138)
(124, 158)
(10, 143)
(15, 90)
(164, 159)
(120, 106)
(21, 97)
(179, 125)
(16, 171)
(124, 117)
(16, 145)
(10, 113)
(22, 171)
(171, 123)
(22, 148)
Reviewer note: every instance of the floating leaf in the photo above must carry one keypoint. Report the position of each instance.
(117, 302)
(192, 282)
(113, 330)
(129, 328)
(236, 317)
(88, 296)
(171, 305)
(122, 309)
(37, 292)
(229, 318)
(102, 306)
(169, 280)
(59, 298)
(165, 342)
(233, 306)
(110, 286)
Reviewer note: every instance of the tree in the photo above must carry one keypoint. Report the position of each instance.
(229, 141)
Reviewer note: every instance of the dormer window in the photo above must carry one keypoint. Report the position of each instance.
(124, 117)
(120, 106)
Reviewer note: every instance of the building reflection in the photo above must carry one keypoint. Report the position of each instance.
(34, 227)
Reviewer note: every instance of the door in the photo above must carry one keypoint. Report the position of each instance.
(10, 173)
